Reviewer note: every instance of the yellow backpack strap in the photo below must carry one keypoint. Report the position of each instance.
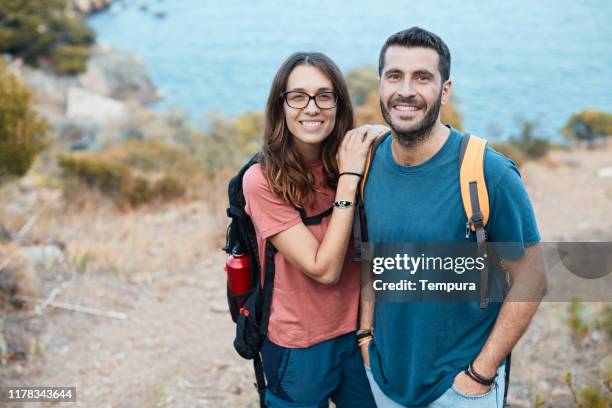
(471, 177)
(475, 201)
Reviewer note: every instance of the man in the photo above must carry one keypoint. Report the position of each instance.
(420, 350)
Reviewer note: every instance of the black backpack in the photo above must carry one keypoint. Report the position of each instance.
(251, 310)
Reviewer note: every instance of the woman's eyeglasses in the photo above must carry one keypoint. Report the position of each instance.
(300, 100)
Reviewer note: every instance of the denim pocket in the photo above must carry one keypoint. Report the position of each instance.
(474, 396)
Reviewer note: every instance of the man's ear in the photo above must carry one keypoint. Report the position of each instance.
(446, 91)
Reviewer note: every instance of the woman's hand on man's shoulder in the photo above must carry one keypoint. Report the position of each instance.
(376, 130)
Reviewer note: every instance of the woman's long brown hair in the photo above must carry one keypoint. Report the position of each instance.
(283, 166)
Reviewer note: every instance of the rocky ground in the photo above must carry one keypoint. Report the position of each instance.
(161, 267)
(572, 196)
(174, 346)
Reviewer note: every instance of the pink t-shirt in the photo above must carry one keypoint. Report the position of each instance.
(303, 312)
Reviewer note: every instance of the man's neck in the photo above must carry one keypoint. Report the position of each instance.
(420, 153)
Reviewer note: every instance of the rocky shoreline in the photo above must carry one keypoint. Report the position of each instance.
(88, 7)
(115, 85)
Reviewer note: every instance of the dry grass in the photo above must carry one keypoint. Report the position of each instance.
(133, 244)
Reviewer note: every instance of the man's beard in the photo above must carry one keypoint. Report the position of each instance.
(421, 131)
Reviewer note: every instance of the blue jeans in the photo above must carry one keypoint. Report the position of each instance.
(452, 398)
(310, 377)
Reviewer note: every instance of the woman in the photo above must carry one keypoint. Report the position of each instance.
(310, 160)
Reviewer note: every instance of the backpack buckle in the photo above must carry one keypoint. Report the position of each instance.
(477, 222)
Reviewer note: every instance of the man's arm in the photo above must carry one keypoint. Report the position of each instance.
(528, 279)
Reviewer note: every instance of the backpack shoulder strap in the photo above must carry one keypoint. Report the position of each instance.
(368, 164)
(475, 200)
(235, 210)
(474, 192)
(360, 227)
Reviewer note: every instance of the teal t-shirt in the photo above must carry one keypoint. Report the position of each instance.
(419, 347)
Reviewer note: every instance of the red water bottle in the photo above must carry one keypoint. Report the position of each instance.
(238, 270)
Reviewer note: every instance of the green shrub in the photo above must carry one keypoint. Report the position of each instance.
(169, 142)
(154, 157)
(578, 320)
(34, 29)
(168, 188)
(107, 176)
(77, 32)
(136, 191)
(227, 143)
(22, 131)
(593, 396)
(510, 151)
(139, 190)
(606, 321)
(82, 260)
(133, 173)
(588, 125)
(605, 373)
(538, 401)
(249, 130)
(527, 142)
(70, 59)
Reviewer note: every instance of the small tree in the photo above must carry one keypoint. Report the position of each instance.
(47, 30)
(21, 129)
(532, 146)
(588, 125)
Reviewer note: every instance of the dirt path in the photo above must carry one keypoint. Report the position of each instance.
(175, 350)
(161, 268)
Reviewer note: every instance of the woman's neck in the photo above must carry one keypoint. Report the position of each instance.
(309, 152)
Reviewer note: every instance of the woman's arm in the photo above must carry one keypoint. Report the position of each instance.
(323, 261)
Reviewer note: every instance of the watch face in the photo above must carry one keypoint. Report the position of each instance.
(342, 204)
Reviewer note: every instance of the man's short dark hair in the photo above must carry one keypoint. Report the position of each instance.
(418, 37)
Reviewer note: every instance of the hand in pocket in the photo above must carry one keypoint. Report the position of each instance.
(467, 386)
